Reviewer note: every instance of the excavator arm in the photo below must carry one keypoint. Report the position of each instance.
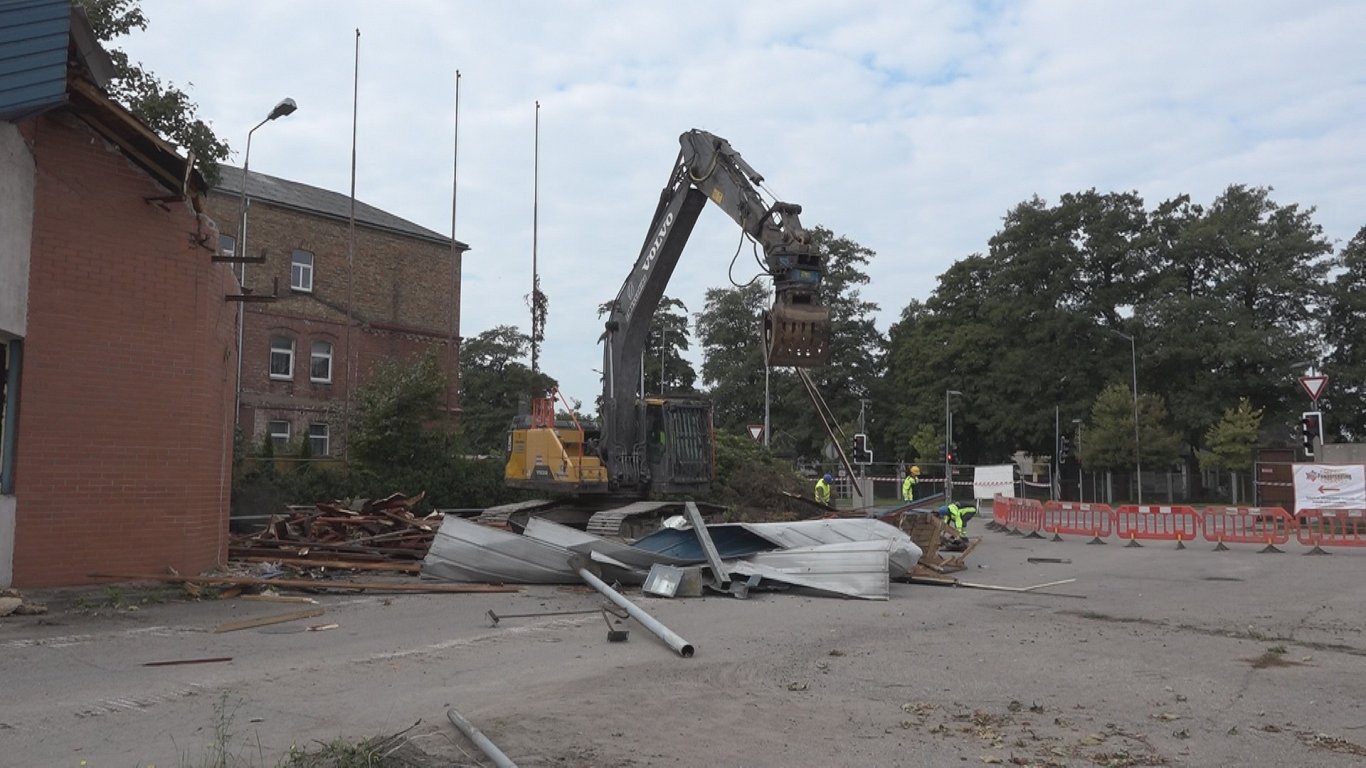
(796, 330)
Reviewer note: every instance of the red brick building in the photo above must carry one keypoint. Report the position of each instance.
(118, 342)
(345, 298)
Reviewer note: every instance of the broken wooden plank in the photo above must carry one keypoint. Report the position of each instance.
(303, 562)
(375, 586)
(175, 662)
(280, 599)
(262, 621)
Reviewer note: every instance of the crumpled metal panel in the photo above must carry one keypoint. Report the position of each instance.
(902, 558)
(852, 568)
(469, 552)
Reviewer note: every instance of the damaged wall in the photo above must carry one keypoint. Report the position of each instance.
(125, 434)
(16, 231)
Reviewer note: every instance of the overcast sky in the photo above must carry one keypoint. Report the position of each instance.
(909, 127)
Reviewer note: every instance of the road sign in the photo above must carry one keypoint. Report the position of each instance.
(756, 431)
(1314, 385)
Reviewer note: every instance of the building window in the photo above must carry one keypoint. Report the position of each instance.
(301, 271)
(320, 365)
(318, 442)
(227, 245)
(278, 430)
(281, 357)
(11, 354)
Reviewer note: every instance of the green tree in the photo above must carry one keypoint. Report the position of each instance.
(733, 355)
(1110, 432)
(667, 341)
(1345, 335)
(494, 383)
(1231, 441)
(163, 106)
(395, 412)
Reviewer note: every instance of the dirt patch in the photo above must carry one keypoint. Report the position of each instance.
(1272, 659)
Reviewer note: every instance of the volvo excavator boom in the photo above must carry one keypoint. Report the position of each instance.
(655, 444)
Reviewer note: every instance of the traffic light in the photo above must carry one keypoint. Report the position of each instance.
(862, 454)
(1064, 449)
(1311, 429)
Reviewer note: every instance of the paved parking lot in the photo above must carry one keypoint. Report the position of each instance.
(1170, 658)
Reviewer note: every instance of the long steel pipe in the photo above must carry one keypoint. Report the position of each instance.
(490, 749)
(670, 637)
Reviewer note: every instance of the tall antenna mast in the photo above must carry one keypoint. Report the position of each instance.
(454, 373)
(539, 302)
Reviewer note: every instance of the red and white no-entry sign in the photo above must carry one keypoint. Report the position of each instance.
(1314, 386)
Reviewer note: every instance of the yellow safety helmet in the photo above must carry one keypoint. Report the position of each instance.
(915, 470)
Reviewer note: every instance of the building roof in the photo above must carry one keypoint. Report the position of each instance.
(321, 202)
(36, 37)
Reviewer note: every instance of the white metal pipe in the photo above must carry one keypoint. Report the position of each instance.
(489, 749)
(684, 648)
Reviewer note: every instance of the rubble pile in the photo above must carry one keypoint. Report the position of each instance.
(356, 531)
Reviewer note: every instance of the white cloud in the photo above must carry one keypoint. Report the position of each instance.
(910, 127)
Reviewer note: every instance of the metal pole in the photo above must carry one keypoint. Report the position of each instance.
(671, 638)
(1138, 462)
(1055, 486)
(766, 401)
(489, 749)
(948, 446)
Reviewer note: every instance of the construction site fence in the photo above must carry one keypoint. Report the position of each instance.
(1268, 527)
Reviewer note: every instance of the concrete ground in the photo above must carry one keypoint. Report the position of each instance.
(1190, 657)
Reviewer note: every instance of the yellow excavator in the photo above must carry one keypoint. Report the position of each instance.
(651, 445)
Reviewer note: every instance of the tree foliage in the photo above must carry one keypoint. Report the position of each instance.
(1344, 403)
(1110, 437)
(163, 106)
(494, 383)
(1231, 441)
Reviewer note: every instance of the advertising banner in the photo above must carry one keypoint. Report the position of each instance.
(989, 481)
(1330, 486)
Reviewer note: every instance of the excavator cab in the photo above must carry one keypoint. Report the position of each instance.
(678, 445)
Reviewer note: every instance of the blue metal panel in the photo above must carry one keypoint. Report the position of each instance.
(34, 36)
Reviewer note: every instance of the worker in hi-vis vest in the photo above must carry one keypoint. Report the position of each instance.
(823, 489)
(908, 485)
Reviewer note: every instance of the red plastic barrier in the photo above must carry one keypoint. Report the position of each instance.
(1027, 517)
(1157, 523)
(1246, 525)
(1078, 519)
(1331, 527)
(1001, 509)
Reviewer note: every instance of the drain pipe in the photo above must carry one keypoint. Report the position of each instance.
(670, 637)
(480, 740)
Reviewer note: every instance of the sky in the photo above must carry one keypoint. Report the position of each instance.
(910, 127)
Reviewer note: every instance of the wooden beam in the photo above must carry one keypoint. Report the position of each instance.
(262, 621)
(374, 586)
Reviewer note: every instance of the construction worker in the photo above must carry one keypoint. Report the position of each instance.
(958, 515)
(908, 485)
(823, 489)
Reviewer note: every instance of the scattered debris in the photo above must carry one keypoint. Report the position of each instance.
(315, 584)
(262, 621)
(13, 604)
(496, 617)
(1066, 561)
(177, 662)
(351, 531)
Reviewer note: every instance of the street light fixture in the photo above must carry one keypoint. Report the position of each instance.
(1138, 463)
(284, 108)
(948, 445)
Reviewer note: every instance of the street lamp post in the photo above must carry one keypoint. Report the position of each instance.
(1080, 495)
(1138, 463)
(285, 107)
(948, 445)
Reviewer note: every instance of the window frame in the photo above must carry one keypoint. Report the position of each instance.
(230, 252)
(314, 356)
(11, 361)
(325, 437)
(279, 441)
(302, 270)
(270, 368)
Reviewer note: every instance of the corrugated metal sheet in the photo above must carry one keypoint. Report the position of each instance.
(332, 205)
(586, 543)
(805, 533)
(34, 36)
(470, 552)
(852, 568)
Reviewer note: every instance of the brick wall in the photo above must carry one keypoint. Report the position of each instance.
(403, 301)
(125, 430)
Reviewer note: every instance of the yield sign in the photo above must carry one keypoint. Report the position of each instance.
(756, 431)
(1314, 386)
